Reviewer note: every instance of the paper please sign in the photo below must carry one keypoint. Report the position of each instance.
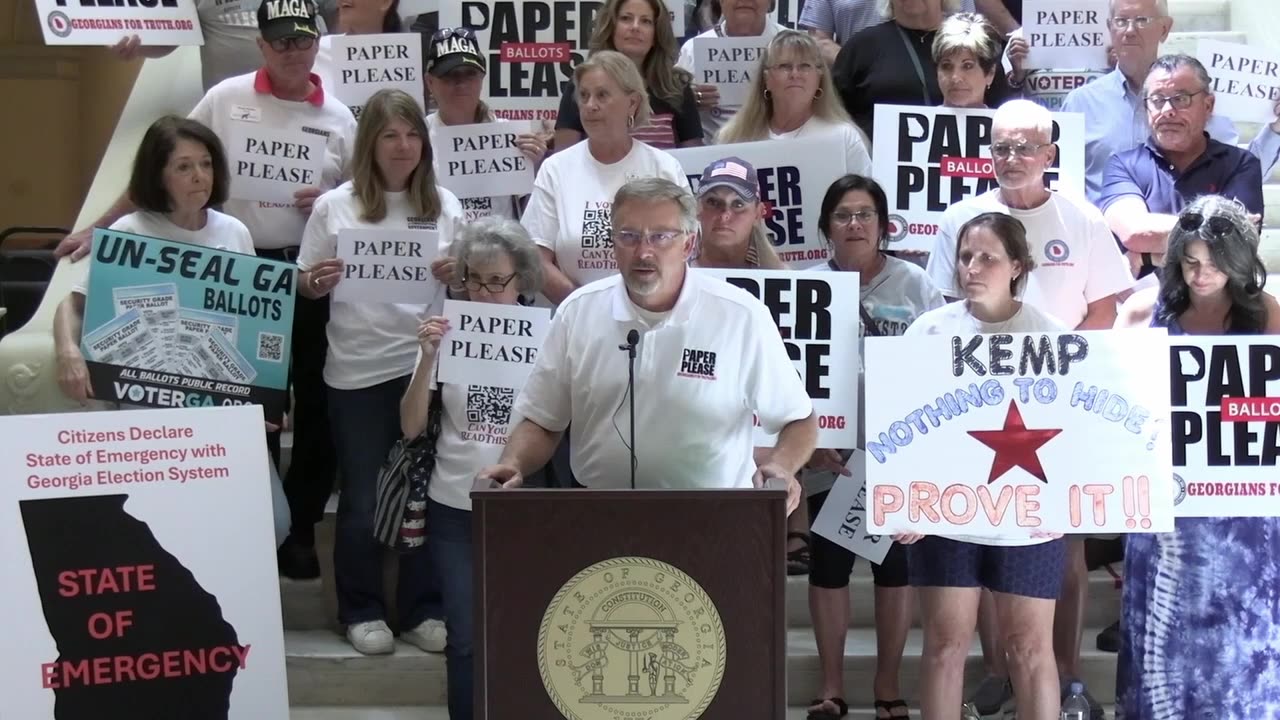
(483, 160)
(387, 266)
(491, 345)
(365, 64)
(843, 519)
(1009, 434)
(1246, 79)
(270, 165)
(168, 324)
(929, 158)
(106, 22)
(1066, 33)
(820, 333)
(729, 63)
(1225, 426)
(127, 595)
(793, 175)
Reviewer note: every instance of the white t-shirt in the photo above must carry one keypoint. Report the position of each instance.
(474, 426)
(857, 157)
(221, 232)
(237, 100)
(894, 298)
(569, 211)
(715, 118)
(702, 369)
(955, 319)
(370, 343)
(1077, 260)
(474, 208)
(230, 40)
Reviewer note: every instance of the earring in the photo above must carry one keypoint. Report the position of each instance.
(631, 121)
(817, 94)
(767, 95)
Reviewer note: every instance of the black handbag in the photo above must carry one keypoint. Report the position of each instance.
(400, 516)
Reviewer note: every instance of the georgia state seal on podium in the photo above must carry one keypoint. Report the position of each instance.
(632, 637)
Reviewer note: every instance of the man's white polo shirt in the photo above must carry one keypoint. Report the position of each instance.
(702, 371)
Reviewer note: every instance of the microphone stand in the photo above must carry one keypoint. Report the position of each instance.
(632, 339)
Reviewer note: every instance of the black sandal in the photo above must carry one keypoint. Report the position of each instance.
(891, 705)
(827, 714)
(798, 559)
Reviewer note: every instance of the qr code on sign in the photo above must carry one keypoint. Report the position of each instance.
(270, 347)
(596, 228)
(489, 404)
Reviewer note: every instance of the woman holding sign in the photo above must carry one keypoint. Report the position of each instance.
(499, 264)
(569, 213)
(894, 293)
(1023, 572)
(371, 357)
(641, 30)
(792, 97)
(1202, 604)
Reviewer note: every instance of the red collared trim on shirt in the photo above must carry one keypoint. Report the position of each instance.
(262, 84)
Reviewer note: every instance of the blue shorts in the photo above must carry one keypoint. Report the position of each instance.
(1029, 571)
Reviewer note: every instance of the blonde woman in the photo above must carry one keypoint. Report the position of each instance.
(792, 97)
(372, 351)
(569, 214)
(641, 30)
(731, 220)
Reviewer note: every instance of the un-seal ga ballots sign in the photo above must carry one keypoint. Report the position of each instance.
(929, 158)
(90, 22)
(127, 596)
(1018, 433)
(812, 310)
(1225, 426)
(168, 324)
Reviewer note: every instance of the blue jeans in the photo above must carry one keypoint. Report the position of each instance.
(366, 423)
(449, 539)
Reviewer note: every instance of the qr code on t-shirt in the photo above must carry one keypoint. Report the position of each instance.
(596, 228)
(489, 404)
(270, 347)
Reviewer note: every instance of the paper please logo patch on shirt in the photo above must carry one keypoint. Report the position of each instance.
(698, 364)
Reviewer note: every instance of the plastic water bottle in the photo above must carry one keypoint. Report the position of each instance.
(1075, 707)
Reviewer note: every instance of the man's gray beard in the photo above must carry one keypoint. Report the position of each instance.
(641, 287)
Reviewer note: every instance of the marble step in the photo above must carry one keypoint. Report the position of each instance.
(1271, 204)
(440, 713)
(1182, 40)
(1269, 249)
(325, 671)
(1202, 15)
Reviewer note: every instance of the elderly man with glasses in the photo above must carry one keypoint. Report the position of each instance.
(1145, 188)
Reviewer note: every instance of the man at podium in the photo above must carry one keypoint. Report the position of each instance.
(708, 359)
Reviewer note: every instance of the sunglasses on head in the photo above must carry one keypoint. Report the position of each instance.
(1218, 225)
(465, 33)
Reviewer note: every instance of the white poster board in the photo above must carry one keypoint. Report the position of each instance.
(928, 158)
(1246, 79)
(729, 63)
(482, 160)
(82, 22)
(1013, 434)
(816, 314)
(843, 518)
(491, 345)
(1066, 33)
(365, 64)
(794, 175)
(1225, 425)
(269, 165)
(123, 584)
(387, 266)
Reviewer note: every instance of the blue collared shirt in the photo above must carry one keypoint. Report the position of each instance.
(1221, 170)
(1115, 120)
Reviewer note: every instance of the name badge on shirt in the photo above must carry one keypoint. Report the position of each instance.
(246, 113)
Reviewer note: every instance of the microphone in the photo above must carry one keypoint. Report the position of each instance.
(633, 339)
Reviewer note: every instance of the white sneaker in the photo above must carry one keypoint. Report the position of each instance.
(371, 638)
(430, 636)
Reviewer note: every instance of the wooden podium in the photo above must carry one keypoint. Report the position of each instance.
(627, 635)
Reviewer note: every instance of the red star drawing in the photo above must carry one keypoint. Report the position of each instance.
(1015, 445)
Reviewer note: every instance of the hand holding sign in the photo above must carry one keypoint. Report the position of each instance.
(323, 276)
(73, 375)
(305, 199)
(431, 332)
(708, 96)
(1018, 51)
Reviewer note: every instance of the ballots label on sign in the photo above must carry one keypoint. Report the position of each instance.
(270, 165)
(1225, 425)
(491, 345)
(1066, 33)
(387, 266)
(482, 160)
(929, 158)
(810, 309)
(365, 64)
(106, 22)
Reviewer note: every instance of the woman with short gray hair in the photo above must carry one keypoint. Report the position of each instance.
(498, 263)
